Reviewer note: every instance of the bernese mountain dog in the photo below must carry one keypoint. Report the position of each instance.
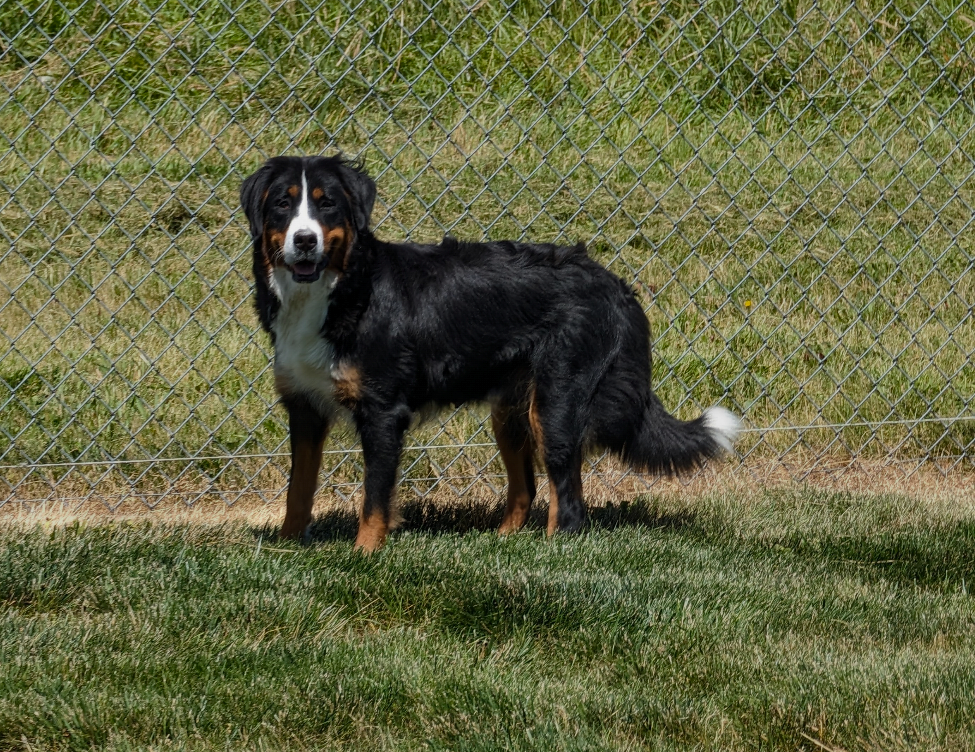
(556, 344)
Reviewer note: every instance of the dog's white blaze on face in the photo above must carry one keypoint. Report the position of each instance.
(303, 221)
(303, 358)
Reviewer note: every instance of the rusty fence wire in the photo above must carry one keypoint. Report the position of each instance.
(788, 186)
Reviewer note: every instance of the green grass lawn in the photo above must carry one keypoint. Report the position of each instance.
(796, 620)
(789, 183)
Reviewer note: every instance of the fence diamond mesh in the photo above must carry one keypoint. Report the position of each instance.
(787, 186)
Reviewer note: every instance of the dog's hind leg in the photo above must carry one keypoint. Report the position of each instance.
(566, 507)
(308, 433)
(515, 445)
(557, 430)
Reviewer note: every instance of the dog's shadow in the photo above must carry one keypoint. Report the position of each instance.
(430, 518)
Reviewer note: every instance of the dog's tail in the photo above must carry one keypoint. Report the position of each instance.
(660, 443)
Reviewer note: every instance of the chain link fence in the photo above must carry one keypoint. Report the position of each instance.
(787, 186)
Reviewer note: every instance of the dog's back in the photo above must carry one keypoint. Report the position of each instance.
(462, 318)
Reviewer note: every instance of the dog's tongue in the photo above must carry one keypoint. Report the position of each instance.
(304, 268)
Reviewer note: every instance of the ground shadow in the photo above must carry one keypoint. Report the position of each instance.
(939, 556)
(481, 516)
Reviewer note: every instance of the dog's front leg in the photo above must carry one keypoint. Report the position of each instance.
(381, 430)
(308, 432)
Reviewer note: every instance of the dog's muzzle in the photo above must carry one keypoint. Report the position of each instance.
(309, 262)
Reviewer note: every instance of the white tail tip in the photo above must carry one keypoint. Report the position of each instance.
(723, 425)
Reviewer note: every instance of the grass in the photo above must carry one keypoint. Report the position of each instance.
(777, 620)
(789, 184)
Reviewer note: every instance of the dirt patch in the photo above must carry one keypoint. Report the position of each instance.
(607, 483)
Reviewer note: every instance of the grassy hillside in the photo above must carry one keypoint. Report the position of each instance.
(777, 621)
(787, 182)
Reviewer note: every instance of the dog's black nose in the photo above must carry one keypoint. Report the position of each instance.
(305, 241)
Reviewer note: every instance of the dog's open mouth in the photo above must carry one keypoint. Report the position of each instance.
(307, 271)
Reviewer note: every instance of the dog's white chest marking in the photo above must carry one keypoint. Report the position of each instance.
(303, 358)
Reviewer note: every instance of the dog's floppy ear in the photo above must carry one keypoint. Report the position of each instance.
(361, 190)
(252, 198)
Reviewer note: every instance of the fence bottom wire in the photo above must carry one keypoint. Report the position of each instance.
(605, 483)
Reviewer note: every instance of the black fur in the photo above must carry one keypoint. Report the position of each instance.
(251, 199)
(277, 173)
(541, 330)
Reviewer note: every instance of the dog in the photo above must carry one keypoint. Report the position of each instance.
(555, 343)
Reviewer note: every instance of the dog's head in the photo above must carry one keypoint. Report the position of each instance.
(305, 212)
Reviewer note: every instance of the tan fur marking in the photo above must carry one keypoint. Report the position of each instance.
(575, 491)
(337, 241)
(515, 461)
(317, 193)
(306, 460)
(273, 247)
(294, 190)
(347, 383)
(535, 422)
(372, 532)
(553, 508)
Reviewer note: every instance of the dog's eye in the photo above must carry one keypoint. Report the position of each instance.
(283, 204)
(326, 202)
